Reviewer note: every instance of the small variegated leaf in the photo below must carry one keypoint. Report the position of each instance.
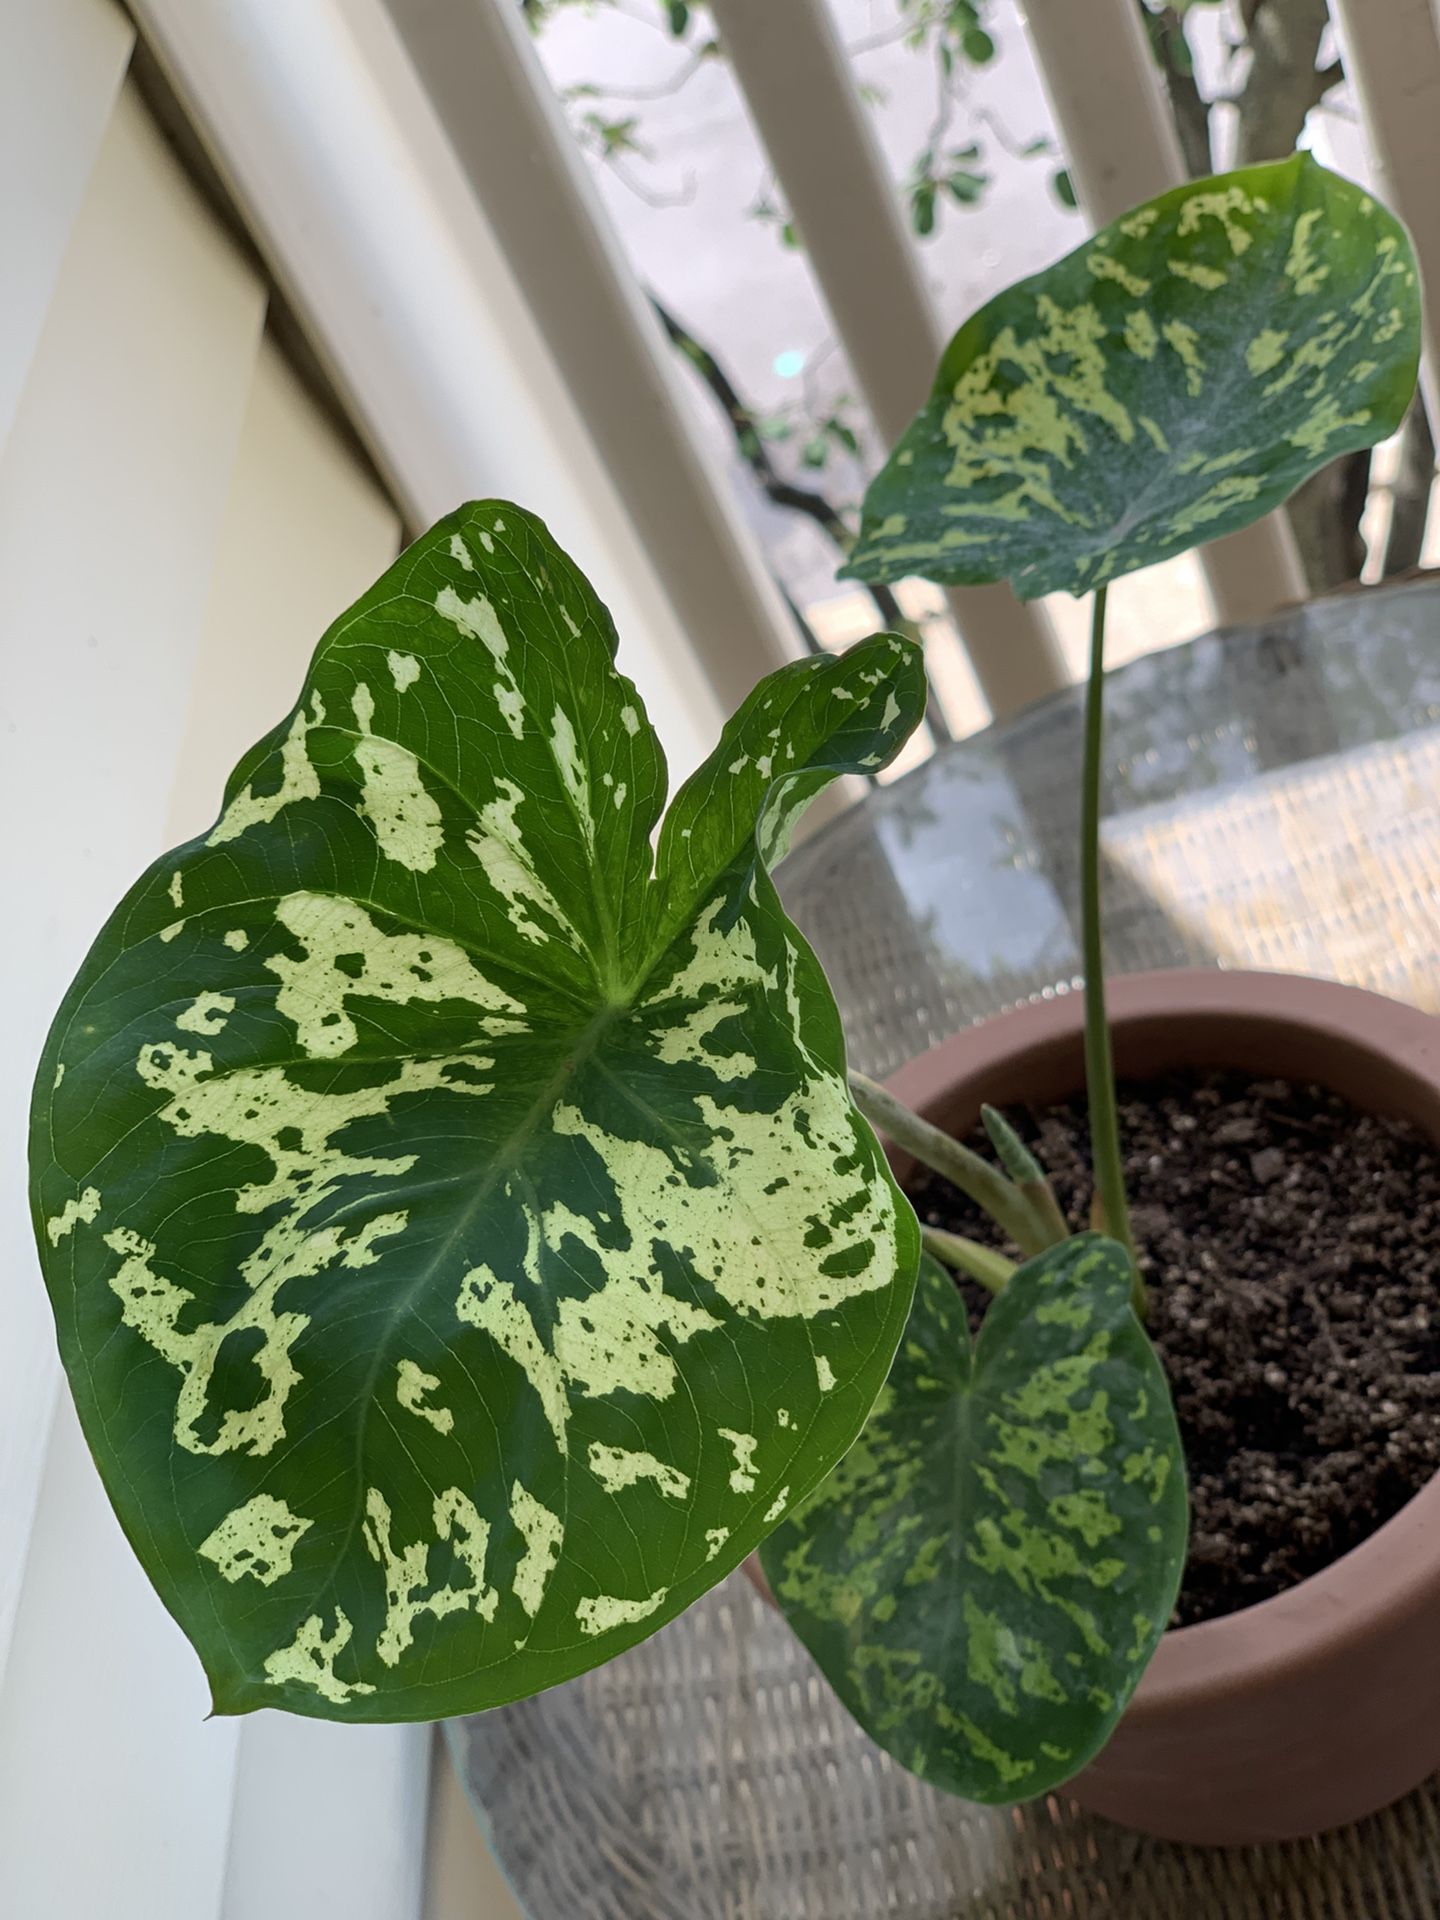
(462, 1243)
(1168, 382)
(985, 1575)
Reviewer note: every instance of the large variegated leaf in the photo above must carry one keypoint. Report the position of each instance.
(462, 1243)
(985, 1575)
(1169, 381)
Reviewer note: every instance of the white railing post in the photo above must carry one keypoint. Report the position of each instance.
(506, 129)
(797, 82)
(1121, 147)
(1391, 54)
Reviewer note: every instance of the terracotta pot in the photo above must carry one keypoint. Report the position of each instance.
(1323, 1704)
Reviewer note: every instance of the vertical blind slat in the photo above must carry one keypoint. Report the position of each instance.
(1392, 58)
(800, 91)
(509, 136)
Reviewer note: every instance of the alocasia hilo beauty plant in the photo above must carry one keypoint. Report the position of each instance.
(463, 1243)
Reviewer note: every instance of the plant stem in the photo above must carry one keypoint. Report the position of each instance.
(1099, 1063)
(1029, 1176)
(985, 1185)
(1039, 1196)
(981, 1264)
(1015, 1157)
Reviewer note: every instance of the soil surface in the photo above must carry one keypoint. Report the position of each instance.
(1292, 1249)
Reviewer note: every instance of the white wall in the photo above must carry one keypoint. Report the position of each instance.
(113, 487)
(70, 82)
(54, 107)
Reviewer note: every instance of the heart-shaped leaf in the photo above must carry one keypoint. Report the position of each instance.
(985, 1575)
(1168, 382)
(462, 1243)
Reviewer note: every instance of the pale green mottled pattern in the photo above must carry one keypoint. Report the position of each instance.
(1166, 383)
(617, 1467)
(407, 1573)
(308, 1661)
(600, 1613)
(413, 1387)
(74, 1213)
(542, 1532)
(345, 956)
(298, 781)
(986, 1573)
(256, 1541)
(432, 1209)
(406, 816)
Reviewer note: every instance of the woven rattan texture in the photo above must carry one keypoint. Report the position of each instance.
(1274, 801)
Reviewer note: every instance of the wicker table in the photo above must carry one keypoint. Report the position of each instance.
(1274, 801)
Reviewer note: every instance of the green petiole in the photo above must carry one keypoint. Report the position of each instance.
(1099, 1059)
(979, 1263)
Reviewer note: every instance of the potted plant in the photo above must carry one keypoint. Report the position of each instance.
(1173, 376)
(463, 1243)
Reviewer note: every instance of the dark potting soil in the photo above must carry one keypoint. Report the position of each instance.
(1291, 1246)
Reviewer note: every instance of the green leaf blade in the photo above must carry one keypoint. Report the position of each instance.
(1169, 382)
(397, 1159)
(985, 1575)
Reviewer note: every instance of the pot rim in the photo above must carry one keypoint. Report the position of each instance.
(1394, 1572)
